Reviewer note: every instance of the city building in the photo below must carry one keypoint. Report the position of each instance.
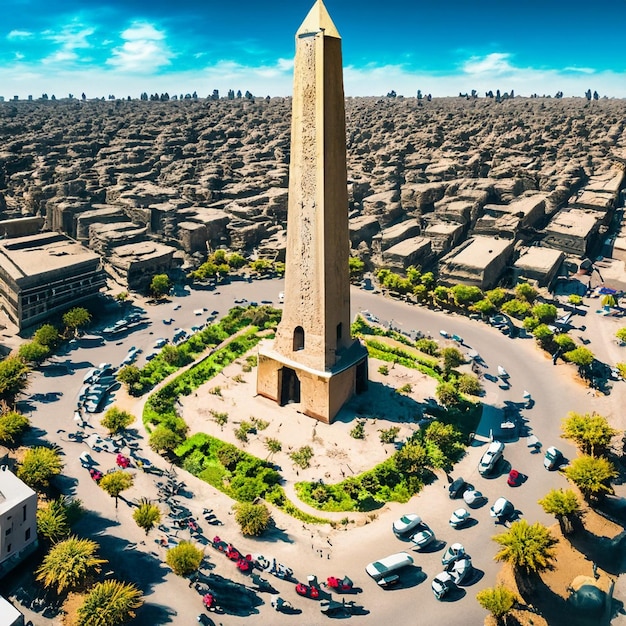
(313, 360)
(18, 520)
(45, 273)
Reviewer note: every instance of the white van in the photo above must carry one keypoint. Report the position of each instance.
(384, 571)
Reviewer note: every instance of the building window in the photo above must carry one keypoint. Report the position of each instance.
(24, 513)
(27, 534)
(339, 331)
(7, 532)
(8, 548)
(298, 338)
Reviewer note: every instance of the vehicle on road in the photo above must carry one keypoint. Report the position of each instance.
(553, 458)
(442, 585)
(454, 552)
(159, 343)
(457, 488)
(423, 537)
(515, 478)
(461, 569)
(491, 457)
(502, 373)
(406, 524)
(502, 509)
(460, 518)
(473, 498)
(385, 571)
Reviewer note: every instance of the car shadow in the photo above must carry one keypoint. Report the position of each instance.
(454, 595)
(435, 546)
(409, 577)
(476, 577)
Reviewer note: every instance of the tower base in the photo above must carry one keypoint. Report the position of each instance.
(321, 394)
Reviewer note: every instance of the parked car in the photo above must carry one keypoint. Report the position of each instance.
(457, 488)
(491, 457)
(454, 552)
(406, 524)
(459, 518)
(423, 536)
(461, 569)
(553, 458)
(159, 343)
(385, 571)
(473, 498)
(502, 509)
(442, 585)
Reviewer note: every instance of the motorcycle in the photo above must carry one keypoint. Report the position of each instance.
(340, 585)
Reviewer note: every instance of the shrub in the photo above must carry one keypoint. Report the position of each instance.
(545, 313)
(115, 420)
(526, 292)
(253, 519)
(405, 389)
(384, 370)
(518, 309)
(469, 384)
(12, 427)
(358, 432)
(302, 457)
(389, 435)
(184, 558)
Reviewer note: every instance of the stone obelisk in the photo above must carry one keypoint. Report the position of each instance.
(314, 361)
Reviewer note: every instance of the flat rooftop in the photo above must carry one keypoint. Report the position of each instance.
(539, 259)
(573, 223)
(42, 253)
(480, 252)
(12, 490)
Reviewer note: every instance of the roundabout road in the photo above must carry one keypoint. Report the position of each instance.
(553, 388)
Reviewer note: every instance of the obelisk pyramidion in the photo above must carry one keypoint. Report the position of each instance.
(314, 361)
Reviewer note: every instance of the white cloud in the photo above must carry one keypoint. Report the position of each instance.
(581, 70)
(144, 49)
(72, 37)
(19, 34)
(495, 63)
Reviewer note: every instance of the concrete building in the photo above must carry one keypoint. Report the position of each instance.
(479, 261)
(137, 263)
(45, 273)
(18, 520)
(314, 361)
(414, 251)
(539, 264)
(574, 231)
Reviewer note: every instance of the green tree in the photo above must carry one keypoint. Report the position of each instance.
(447, 437)
(565, 342)
(116, 482)
(302, 456)
(527, 547)
(592, 476)
(545, 313)
(12, 427)
(52, 523)
(69, 564)
(497, 296)
(469, 384)
(109, 603)
(76, 318)
(464, 295)
(184, 558)
(582, 357)
(427, 346)
(32, 352)
(452, 357)
(253, 519)
(412, 458)
(563, 505)
(497, 600)
(591, 433)
(47, 335)
(441, 294)
(519, 309)
(357, 267)
(147, 515)
(160, 285)
(447, 394)
(575, 299)
(543, 335)
(13, 377)
(526, 292)
(484, 307)
(130, 375)
(39, 466)
(116, 420)
(163, 439)
(621, 334)
(236, 260)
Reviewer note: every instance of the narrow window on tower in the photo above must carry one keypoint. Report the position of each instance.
(339, 332)
(298, 338)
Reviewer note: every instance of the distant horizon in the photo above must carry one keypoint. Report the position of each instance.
(126, 47)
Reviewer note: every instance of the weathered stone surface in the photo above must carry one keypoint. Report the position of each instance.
(413, 251)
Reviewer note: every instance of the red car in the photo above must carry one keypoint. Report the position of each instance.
(515, 479)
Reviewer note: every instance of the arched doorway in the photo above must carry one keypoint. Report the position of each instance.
(289, 386)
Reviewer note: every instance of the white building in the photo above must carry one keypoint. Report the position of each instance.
(18, 520)
(9, 615)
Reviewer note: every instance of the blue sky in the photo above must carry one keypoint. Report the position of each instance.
(124, 47)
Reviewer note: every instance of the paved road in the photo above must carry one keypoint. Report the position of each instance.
(169, 598)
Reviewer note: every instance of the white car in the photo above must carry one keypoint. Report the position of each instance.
(453, 553)
(461, 569)
(472, 497)
(406, 524)
(491, 457)
(459, 518)
(423, 537)
(384, 571)
(502, 509)
(442, 585)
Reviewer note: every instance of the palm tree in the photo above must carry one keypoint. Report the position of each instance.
(147, 515)
(527, 547)
(116, 482)
(109, 603)
(563, 505)
(69, 564)
(52, 522)
(497, 600)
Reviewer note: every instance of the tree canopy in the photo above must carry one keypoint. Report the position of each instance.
(147, 515)
(116, 482)
(109, 603)
(527, 547)
(591, 433)
(76, 318)
(12, 427)
(13, 377)
(160, 285)
(39, 466)
(563, 505)
(497, 600)
(115, 420)
(184, 558)
(591, 475)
